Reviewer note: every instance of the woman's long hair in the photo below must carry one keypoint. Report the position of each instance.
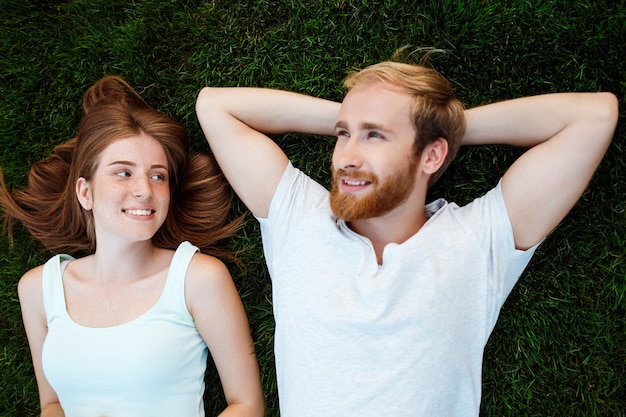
(49, 209)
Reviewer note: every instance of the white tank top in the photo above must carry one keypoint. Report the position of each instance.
(151, 366)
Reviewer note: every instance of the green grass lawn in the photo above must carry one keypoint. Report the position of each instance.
(559, 348)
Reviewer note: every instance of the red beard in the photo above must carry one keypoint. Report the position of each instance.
(384, 197)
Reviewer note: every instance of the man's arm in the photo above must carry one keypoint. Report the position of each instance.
(568, 135)
(232, 120)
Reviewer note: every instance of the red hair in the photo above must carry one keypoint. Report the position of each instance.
(49, 209)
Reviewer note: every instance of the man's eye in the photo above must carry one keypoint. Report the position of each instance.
(375, 135)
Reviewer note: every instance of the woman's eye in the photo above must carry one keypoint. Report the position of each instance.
(158, 177)
(122, 174)
(343, 133)
(375, 135)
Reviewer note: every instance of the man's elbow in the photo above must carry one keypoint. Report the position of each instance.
(203, 101)
(601, 117)
(608, 111)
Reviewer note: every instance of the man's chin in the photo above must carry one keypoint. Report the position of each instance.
(350, 212)
(352, 207)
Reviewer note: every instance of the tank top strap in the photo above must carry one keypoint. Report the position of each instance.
(174, 291)
(52, 286)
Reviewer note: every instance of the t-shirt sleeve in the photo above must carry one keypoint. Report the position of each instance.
(489, 220)
(296, 196)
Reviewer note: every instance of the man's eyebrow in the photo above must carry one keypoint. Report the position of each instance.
(364, 126)
(341, 124)
(375, 126)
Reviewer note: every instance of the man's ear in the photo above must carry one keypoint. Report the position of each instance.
(83, 192)
(434, 155)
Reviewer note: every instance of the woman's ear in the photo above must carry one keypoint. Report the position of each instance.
(434, 155)
(83, 192)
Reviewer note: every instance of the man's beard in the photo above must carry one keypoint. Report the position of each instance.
(384, 197)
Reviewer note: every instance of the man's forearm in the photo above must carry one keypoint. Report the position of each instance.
(275, 111)
(529, 121)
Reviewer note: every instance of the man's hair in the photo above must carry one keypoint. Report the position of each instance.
(49, 208)
(435, 111)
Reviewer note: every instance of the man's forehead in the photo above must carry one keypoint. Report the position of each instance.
(374, 105)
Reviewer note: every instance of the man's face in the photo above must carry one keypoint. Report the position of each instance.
(374, 170)
(386, 194)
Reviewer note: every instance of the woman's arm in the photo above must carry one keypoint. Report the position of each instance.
(218, 312)
(33, 314)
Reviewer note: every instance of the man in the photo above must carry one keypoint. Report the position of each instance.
(383, 303)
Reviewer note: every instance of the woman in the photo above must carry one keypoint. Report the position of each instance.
(124, 330)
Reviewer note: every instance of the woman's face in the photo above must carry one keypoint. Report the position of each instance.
(129, 194)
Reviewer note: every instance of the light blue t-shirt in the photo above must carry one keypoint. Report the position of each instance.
(405, 338)
(152, 366)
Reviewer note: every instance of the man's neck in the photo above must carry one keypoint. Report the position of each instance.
(394, 227)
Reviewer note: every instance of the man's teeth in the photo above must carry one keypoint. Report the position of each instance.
(139, 212)
(355, 183)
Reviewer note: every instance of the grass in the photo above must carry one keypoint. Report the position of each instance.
(559, 346)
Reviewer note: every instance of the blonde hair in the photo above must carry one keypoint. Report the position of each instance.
(435, 112)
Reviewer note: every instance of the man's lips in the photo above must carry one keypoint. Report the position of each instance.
(352, 185)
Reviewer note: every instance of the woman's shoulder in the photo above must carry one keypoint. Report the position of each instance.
(29, 287)
(207, 282)
(31, 279)
(203, 266)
